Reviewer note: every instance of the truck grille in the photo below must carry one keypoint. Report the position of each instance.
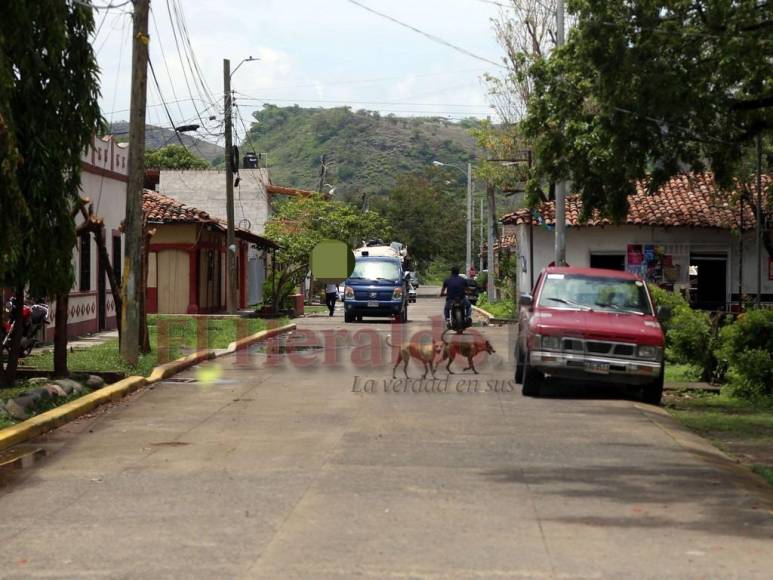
(598, 347)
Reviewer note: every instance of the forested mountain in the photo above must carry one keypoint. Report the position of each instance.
(157, 137)
(365, 152)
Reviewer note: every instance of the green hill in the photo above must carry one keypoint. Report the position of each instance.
(364, 150)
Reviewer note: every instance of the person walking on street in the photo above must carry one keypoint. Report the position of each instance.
(331, 295)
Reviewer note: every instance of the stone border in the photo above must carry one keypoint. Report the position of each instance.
(482, 312)
(63, 414)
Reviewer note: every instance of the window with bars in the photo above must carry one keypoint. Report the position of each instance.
(117, 257)
(85, 262)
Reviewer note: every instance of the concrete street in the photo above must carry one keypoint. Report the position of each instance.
(283, 470)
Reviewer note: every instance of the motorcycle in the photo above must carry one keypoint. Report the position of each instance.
(34, 318)
(458, 319)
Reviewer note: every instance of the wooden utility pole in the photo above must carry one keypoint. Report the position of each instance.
(132, 271)
(229, 193)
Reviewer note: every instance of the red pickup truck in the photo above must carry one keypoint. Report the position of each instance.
(589, 325)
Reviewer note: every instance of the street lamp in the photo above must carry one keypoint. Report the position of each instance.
(468, 257)
(231, 300)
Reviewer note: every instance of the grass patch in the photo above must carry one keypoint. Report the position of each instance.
(738, 426)
(315, 309)
(179, 337)
(682, 373)
(498, 309)
(764, 471)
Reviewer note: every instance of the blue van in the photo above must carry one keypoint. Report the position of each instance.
(376, 287)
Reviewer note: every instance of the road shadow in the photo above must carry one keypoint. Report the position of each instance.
(703, 496)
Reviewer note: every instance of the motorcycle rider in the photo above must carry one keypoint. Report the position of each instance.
(455, 287)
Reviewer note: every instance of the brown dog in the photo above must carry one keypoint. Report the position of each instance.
(425, 352)
(466, 348)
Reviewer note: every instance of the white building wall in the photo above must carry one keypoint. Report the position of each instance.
(679, 242)
(104, 176)
(205, 190)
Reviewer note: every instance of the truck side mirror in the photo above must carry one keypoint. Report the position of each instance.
(663, 312)
(525, 300)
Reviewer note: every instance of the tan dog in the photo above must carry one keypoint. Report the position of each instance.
(468, 349)
(425, 352)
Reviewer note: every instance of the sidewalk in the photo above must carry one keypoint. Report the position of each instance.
(81, 342)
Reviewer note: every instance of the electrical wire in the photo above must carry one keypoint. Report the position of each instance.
(102, 6)
(431, 37)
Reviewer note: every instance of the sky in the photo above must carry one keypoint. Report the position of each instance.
(313, 53)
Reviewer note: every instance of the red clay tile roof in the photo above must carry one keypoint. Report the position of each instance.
(691, 200)
(162, 209)
(281, 190)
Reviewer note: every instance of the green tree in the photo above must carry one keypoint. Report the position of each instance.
(650, 87)
(428, 216)
(299, 223)
(174, 157)
(49, 108)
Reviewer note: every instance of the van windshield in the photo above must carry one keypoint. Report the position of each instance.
(594, 293)
(376, 270)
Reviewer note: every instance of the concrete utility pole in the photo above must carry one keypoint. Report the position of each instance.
(492, 220)
(758, 301)
(560, 240)
(229, 193)
(480, 219)
(468, 262)
(132, 271)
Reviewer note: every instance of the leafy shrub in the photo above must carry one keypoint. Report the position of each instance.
(284, 290)
(748, 346)
(688, 331)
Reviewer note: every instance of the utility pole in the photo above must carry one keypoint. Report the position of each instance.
(468, 263)
(492, 218)
(480, 219)
(229, 193)
(132, 284)
(758, 301)
(560, 240)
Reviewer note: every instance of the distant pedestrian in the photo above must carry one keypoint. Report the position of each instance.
(331, 295)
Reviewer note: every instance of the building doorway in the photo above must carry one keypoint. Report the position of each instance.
(708, 281)
(608, 261)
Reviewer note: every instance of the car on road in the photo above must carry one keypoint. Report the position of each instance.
(589, 325)
(376, 287)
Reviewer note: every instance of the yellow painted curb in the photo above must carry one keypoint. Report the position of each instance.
(166, 370)
(482, 312)
(257, 337)
(65, 413)
(49, 420)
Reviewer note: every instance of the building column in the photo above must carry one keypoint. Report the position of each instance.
(193, 279)
(243, 275)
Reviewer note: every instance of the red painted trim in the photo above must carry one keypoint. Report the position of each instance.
(193, 279)
(171, 246)
(89, 168)
(152, 300)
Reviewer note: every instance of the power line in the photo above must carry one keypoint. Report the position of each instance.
(431, 37)
(102, 6)
(404, 103)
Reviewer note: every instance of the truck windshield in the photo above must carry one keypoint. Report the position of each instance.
(376, 270)
(594, 293)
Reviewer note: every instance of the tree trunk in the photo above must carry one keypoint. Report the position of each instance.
(115, 284)
(60, 335)
(9, 375)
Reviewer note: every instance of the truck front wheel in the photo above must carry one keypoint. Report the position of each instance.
(652, 394)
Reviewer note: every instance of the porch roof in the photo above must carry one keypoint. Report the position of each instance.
(689, 200)
(162, 209)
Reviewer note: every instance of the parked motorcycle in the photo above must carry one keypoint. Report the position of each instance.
(458, 319)
(34, 318)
